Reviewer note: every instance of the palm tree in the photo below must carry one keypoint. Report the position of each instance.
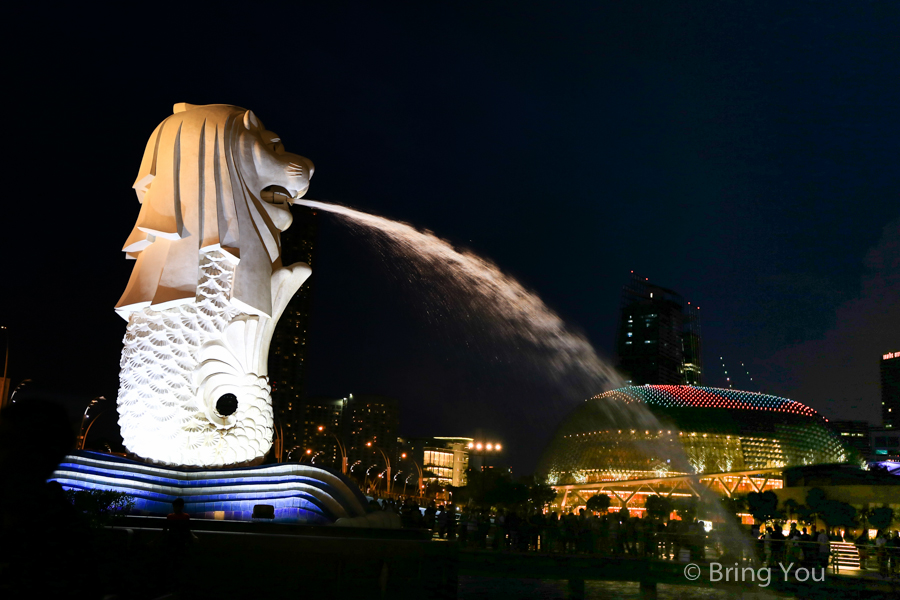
(790, 508)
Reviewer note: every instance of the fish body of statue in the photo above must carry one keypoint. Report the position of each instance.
(207, 289)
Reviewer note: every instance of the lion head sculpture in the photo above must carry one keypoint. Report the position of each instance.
(211, 177)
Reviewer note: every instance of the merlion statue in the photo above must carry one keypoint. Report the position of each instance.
(207, 288)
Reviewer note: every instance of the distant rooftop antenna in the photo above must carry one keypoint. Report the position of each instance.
(728, 376)
(725, 369)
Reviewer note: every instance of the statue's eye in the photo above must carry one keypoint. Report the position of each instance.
(226, 404)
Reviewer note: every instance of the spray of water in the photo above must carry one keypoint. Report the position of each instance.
(480, 289)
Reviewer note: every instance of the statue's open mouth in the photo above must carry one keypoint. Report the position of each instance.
(277, 195)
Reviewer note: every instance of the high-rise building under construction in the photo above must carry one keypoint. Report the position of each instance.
(659, 339)
(890, 390)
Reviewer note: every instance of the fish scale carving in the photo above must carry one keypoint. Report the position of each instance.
(160, 356)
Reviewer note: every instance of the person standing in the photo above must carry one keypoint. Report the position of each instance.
(178, 527)
(824, 548)
(881, 551)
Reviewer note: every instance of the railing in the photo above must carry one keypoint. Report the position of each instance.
(682, 547)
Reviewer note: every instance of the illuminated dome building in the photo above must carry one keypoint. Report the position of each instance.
(736, 442)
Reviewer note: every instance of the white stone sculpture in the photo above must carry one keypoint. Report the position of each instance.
(207, 287)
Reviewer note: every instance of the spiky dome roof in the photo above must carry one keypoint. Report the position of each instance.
(642, 431)
(687, 396)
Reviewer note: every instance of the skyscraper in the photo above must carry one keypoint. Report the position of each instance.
(360, 426)
(375, 420)
(287, 352)
(658, 342)
(692, 345)
(890, 390)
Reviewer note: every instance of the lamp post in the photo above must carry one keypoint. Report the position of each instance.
(4, 385)
(387, 463)
(278, 442)
(291, 451)
(482, 449)
(84, 419)
(366, 482)
(420, 481)
(340, 447)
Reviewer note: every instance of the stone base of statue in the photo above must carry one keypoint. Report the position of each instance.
(298, 493)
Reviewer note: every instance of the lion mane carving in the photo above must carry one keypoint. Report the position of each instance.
(207, 288)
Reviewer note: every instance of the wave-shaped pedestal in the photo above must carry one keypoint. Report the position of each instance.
(299, 493)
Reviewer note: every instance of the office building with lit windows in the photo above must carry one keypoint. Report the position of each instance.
(855, 434)
(362, 425)
(890, 390)
(444, 460)
(375, 420)
(659, 339)
(885, 443)
(321, 429)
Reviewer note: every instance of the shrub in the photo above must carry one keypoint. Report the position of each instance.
(100, 507)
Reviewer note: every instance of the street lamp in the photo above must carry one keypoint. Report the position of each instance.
(3, 385)
(387, 462)
(341, 447)
(84, 419)
(482, 449)
(420, 481)
(367, 479)
(291, 451)
(278, 443)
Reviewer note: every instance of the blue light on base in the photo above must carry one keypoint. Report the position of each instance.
(299, 493)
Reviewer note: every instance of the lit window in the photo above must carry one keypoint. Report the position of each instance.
(629, 334)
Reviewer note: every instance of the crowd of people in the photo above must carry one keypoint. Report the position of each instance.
(814, 547)
(621, 534)
(614, 533)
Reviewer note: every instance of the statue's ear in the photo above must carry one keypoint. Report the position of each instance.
(181, 107)
(250, 121)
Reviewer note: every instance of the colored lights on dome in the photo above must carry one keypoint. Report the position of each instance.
(715, 431)
(685, 396)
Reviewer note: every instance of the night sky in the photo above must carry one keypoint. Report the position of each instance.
(746, 157)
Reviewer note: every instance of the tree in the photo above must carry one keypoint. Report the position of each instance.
(838, 514)
(790, 508)
(686, 508)
(882, 517)
(100, 507)
(507, 493)
(598, 503)
(541, 495)
(658, 507)
(815, 500)
(763, 506)
(863, 516)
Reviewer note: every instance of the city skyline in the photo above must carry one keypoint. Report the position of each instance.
(745, 160)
